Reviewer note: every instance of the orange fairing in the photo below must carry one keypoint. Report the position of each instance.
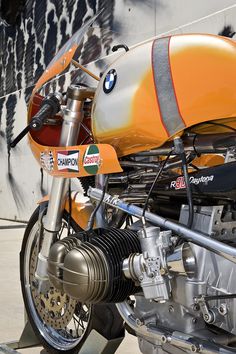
(80, 210)
(60, 65)
(63, 58)
(76, 161)
(73, 161)
(49, 135)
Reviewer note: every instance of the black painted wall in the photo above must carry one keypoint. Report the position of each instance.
(27, 45)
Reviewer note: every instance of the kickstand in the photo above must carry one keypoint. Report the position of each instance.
(27, 340)
(97, 344)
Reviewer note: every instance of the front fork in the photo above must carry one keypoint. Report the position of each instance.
(72, 118)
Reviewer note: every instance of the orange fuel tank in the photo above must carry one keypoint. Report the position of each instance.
(159, 88)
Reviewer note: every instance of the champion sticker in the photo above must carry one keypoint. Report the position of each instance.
(92, 160)
(46, 160)
(68, 161)
(109, 81)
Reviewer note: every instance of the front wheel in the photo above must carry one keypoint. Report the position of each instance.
(61, 323)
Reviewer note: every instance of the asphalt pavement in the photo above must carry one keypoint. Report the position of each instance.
(11, 303)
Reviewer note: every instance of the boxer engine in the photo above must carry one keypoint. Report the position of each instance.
(169, 284)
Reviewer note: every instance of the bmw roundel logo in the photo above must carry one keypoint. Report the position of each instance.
(109, 81)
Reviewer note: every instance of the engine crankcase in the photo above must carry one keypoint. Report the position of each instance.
(214, 276)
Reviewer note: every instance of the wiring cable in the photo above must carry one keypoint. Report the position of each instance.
(179, 149)
(154, 183)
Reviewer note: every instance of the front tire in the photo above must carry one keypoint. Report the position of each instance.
(61, 324)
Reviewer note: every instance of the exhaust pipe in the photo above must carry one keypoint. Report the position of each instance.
(175, 338)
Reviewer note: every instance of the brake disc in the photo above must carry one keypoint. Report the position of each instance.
(55, 308)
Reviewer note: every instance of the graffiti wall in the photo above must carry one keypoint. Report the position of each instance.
(32, 31)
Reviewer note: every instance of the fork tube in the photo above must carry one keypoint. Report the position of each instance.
(72, 117)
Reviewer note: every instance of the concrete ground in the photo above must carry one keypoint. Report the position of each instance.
(11, 303)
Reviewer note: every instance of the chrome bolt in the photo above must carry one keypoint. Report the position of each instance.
(139, 322)
(163, 339)
(162, 271)
(222, 309)
(195, 348)
(196, 307)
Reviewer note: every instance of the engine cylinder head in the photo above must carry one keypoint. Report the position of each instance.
(86, 274)
(56, 258)
(91, 271)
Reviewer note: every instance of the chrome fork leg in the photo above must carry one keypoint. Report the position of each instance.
(51, 225)
(52, 220)
(72, 117)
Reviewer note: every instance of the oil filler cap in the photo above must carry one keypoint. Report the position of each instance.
(110, 81)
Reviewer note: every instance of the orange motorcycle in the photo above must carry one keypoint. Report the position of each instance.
(152, 242)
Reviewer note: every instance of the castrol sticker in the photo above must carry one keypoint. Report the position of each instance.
(92, 160)
(68, 161)
(179, 183)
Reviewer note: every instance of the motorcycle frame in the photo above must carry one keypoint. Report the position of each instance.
(220, 248)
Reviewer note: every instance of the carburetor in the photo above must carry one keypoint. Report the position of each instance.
(154, 268)
(148, 268)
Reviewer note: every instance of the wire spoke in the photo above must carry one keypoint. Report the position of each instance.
(79, 321)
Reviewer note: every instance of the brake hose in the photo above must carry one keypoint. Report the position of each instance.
(154, 183)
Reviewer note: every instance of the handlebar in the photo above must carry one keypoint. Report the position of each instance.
(49, 107)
